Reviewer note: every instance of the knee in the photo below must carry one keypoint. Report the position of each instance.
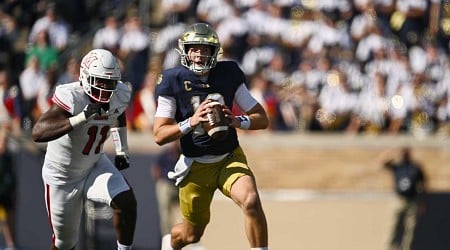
(252, 204)
(60, 244)
(194, 237)
(125, 202)
(188, 234)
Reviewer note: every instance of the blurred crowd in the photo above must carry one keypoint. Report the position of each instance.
(352, 66)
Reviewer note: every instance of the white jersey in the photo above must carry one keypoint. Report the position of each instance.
(71, 157)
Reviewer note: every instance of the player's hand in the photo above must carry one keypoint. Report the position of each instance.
(92, 110)
(200, 113)
(89, 112)
(234, 121)
(122, 161)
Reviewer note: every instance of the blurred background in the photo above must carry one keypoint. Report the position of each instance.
(346, 85)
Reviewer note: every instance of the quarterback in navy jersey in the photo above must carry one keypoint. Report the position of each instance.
(185, 95)
(223, 81)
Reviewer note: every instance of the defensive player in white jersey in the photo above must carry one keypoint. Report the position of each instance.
(81, 118)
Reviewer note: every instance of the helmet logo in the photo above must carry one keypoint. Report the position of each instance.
(89, 59)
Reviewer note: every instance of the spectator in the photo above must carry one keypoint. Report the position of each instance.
(364, 22)
(213, 11)
(384, 10)
(439, 16)
(164, 46)
(262, 91)
(275, 70)
(409, 20)
(108, 36)
(45, 94)
(443, 109)
(31, 80)
(41, 48)
(9, 36)
(144, 105)
(71, 73)
(178, 11)
(329, 34)
(56, 26)
(234, 31)
(371, 114)
(336, 102)
(9, 126)
(257, 57)
(134, 50)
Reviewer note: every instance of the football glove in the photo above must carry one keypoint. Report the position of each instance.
(89, 112)
(92, 110)
(122, 161)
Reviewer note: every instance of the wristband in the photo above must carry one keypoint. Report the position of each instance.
(77, 120)
(119, 136)
(185, 126)
(245, 121)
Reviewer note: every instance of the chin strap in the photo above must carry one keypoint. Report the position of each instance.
(119, 135)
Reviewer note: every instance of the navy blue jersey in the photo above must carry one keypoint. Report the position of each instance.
(189, 91)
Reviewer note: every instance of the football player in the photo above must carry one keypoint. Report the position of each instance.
(184, 94)
(83, 115)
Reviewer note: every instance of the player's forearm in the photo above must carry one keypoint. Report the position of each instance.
(258, 121)
(258, 118)
(167, 133)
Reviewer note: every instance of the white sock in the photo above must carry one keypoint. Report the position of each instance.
(123, 247)
(259, 248)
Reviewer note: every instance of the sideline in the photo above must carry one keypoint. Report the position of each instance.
(144, 143)
(298, 195)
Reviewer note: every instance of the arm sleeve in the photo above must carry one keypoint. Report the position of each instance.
(244, 99)
(166, 107)
(123, 92)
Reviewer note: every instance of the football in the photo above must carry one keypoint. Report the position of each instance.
(217, 124)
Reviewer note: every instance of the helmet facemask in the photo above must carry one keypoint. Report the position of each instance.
(201, 64)
(102, 90)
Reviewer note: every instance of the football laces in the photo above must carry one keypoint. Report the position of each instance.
(212, 118)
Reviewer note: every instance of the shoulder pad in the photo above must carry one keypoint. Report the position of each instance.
(123, 91)
(64, 96)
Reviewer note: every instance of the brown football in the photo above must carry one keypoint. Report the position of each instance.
(217, 124)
